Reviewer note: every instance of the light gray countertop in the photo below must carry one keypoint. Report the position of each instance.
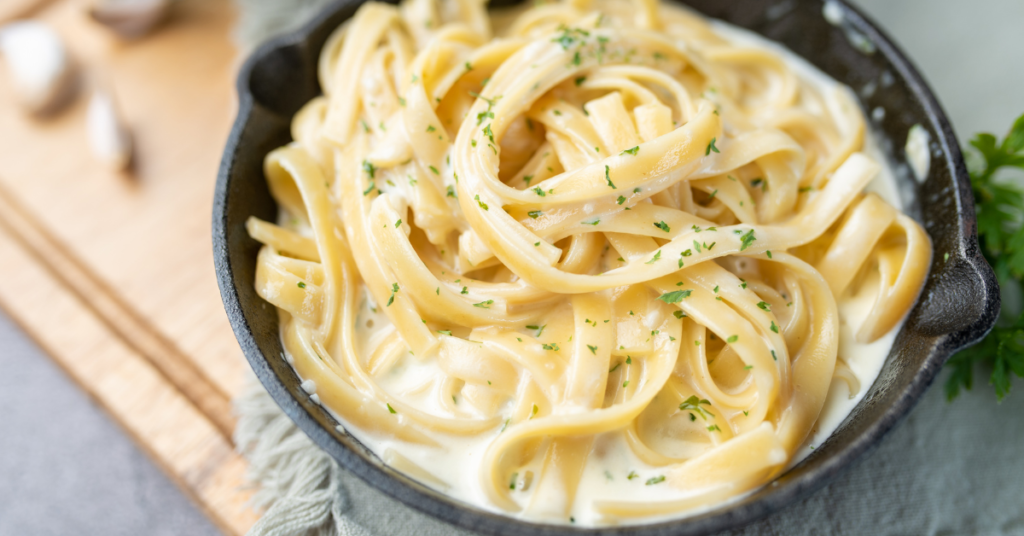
(66, 468)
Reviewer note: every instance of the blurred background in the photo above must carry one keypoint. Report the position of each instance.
(67, 468)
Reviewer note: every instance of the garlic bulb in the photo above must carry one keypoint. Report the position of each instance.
(40, 67)
(109, 138)
(129, 18)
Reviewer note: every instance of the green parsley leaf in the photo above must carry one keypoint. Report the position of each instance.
(632, 151)
(663, 226)
(999, 206)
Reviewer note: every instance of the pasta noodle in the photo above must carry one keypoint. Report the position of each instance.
(608, 231)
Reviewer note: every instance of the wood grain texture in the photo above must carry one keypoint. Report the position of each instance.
(112, 273)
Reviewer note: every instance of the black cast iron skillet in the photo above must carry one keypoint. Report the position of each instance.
(958, 306)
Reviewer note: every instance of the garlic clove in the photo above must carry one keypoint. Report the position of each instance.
(42, 71)
(109, 138)
(130, 18)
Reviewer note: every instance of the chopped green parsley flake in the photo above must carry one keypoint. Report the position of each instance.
(711, 147)
(675, 296)
(608, 178)
(747, 239)
(693, 405)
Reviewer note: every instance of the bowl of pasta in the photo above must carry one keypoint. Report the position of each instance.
(602, 266)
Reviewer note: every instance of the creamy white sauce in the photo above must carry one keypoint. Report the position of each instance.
(456, 468)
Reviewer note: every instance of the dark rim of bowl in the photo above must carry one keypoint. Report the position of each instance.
(720, 518)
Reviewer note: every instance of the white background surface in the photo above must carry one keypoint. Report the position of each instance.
(949, 469)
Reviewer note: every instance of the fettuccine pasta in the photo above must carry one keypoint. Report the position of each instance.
(603, 257)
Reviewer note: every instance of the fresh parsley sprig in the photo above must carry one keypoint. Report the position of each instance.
(1000, 209)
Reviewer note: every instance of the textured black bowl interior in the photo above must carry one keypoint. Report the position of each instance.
(957, 307)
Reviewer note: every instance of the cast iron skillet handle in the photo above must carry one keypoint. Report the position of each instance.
(961, 300)
(984, 295)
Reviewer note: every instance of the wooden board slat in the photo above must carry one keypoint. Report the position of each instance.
(177, 436)
(112, 273)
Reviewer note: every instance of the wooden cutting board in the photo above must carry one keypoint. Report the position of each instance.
(112, 273)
